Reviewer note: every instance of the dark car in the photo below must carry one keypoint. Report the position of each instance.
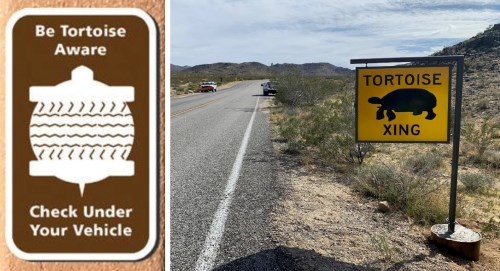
(269, 87)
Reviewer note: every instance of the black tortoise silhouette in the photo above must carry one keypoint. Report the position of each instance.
(414, 100)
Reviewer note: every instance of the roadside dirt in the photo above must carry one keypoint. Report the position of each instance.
(321, 223)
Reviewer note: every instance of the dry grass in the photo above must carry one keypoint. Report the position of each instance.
(474, 206)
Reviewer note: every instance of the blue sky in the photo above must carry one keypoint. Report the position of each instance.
(334, 31)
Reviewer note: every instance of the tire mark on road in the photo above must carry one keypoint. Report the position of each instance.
(184, 111)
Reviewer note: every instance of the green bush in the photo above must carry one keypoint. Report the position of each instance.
(328, 129)
(418, 196)
(491, 228)
(476, 182)
(481, 136)
(296, 89)
(429, 209)
(374, 180)
(483, 103)
(424, 164)
(383, 246)
(290, 131)
(493, 159)
(320, 117)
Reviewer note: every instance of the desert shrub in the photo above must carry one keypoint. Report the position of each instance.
(483, 103)
(476, 182)
(383, 245)
(423, 164)
(493, 159)
(186, 88)
(320, 117)
(420, 197)
(373, 180)
(360, 151)
(480, 136)
(328, 129)
(430, 209)
(492, 228)
(290, 130)
(296, 89)
(489, 160)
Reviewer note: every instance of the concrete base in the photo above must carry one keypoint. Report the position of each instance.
(463, 241)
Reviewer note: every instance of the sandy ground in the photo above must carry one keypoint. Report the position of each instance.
(155, 261)
(325, 225)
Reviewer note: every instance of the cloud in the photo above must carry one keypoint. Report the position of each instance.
(278, 31)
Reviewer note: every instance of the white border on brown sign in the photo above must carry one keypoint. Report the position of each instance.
(153, 148)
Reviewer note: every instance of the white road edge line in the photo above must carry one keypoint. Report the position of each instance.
(206, 259)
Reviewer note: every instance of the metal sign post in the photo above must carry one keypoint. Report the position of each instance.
(447, 235)
(456, 145)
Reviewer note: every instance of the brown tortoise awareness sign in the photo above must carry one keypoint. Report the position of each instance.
(81, 134)
(403, 104)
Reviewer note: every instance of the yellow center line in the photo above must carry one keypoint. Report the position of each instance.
(178, 113)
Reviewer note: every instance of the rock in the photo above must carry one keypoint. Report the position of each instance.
(383, 207)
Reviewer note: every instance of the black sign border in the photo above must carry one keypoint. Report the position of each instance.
(448, 128)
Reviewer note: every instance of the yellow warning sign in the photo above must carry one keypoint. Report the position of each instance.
(403, 104)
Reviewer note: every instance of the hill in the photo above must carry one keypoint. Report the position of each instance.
(313, 69)
(482, 69)
(256, 69)
(176, 68)
(246, 69)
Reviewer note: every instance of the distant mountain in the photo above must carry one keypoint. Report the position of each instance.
(256, 69)
(315, 69)
(223, 68)
(482, 71)
(176, 68)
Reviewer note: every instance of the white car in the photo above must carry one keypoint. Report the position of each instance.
(208, 86)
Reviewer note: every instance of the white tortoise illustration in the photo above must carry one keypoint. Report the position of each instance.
(81, 130)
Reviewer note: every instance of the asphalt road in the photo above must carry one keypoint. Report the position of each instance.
(223, 181)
